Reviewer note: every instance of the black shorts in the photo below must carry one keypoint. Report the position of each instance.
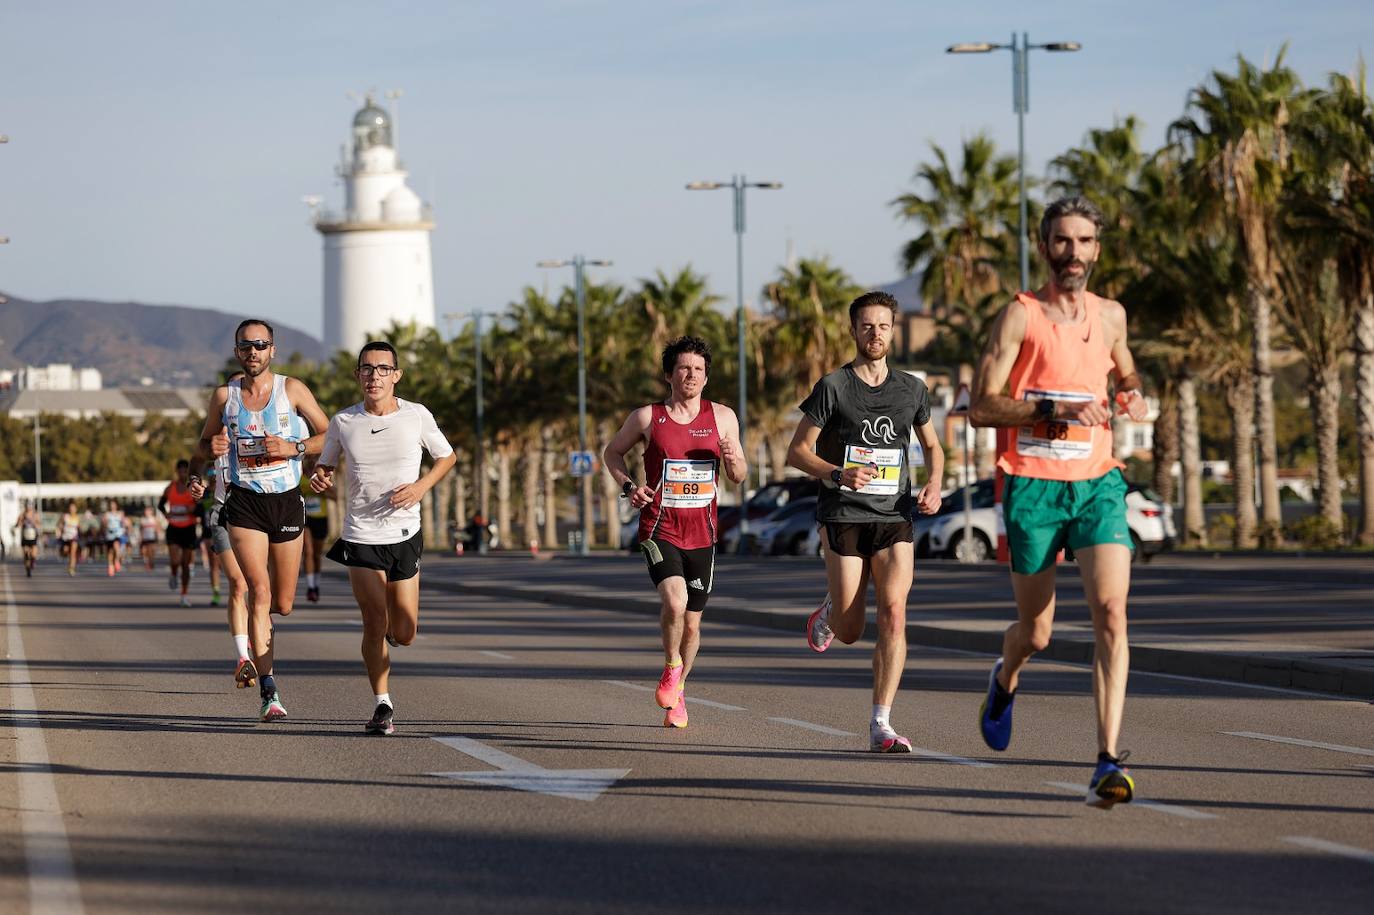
(400, 561)
(183, 537)
(279, 515)
(696, 567)
(27, 542)
(318, 527)
(864, 538)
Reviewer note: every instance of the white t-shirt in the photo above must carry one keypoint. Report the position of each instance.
(383, 453)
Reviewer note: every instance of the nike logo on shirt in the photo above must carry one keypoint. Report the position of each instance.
(383, 429)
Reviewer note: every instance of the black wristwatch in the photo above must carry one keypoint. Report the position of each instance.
(300, 449)
(1044, 409)
(835, 476)
(626, 489)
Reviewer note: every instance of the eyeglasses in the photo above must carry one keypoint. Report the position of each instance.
(244, 346)
(381, 371)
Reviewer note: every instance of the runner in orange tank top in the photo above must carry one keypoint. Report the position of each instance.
(687, 442)
(1044, 377)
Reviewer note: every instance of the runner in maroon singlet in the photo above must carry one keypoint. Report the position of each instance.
(687, 442)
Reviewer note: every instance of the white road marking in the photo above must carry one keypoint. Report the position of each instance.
(695, 701)
(1187, 813)
(500, 655)
(1339, 748)
(514, 772)
(1335, 848)
(52, 879)
(821, 728)
(353, 620)
(951, 758)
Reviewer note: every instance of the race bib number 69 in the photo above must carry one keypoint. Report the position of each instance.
(688, 484)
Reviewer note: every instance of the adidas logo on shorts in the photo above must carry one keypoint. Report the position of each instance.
(696, 583)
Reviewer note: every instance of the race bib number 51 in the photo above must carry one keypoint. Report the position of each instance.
(1055, 439)
(889, 466)
(688, 484)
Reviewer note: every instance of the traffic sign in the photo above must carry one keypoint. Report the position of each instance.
(581, 463)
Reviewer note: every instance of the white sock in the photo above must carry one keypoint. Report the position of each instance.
(241, 645)
(880, 715)
(312, 579)
(384, 697)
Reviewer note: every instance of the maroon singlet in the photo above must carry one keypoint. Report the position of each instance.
(682, 463)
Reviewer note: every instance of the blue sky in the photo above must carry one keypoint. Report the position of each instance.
(158, 151)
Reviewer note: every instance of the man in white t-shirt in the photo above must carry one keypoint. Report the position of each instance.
(381, 438)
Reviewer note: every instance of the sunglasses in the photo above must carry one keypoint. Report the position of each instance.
(244, 346)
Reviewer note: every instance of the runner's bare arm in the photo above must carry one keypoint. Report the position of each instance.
(731, 454)
(928, 499)
(411, 494)
(990, 406)
(206, 448)
(304, 402)
(802, 455)
(1128, 393)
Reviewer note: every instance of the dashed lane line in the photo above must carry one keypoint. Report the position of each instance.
(52, 878)
(695, 701)
(499, 655)
(1335, 848)
(1186, 813)
(819, 728)
(1298, 742)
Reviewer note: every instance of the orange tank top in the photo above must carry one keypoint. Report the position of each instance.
(1061, 362)
(181, 507)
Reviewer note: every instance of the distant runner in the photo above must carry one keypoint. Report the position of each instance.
(69, 533)
(116, 527)
(178, 506)
(316, 532)
(30, 528)
(1043, 377)
(148, 529)
(382, 438)
(687, 441)
(853, 437)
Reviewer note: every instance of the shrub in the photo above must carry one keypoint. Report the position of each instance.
(1316, 532)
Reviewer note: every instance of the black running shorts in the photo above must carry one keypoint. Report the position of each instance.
(279, 515)
(318, 527)
(184, 537)
(400, 561)
(696, 567)
(864, 538)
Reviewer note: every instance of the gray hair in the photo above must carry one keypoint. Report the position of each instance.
(1070, 206)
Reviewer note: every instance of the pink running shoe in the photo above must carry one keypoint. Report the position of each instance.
(677, 715)
(882, 739)
(818, 632)
(669, 687)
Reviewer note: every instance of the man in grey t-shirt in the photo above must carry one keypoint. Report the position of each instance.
(853, 437)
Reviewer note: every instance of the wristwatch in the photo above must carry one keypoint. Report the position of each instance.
(835, 476)
(1044, 409)
(300, 449)
(626, 488)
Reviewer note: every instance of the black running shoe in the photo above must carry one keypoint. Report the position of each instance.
(381, 720)
(391, 641)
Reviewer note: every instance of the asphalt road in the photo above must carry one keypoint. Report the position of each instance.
(137, 779)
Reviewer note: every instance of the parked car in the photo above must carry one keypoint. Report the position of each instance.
(786, 531)
(764, 501)
(1149, 519)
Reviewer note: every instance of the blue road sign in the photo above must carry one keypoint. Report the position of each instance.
(580, 462)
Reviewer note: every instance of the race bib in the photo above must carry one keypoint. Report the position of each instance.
(688, 484)
(253, 457)
(889, 466)
(1056, 439)
(30, 532)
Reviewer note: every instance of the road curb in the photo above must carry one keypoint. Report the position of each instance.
(1305, 674)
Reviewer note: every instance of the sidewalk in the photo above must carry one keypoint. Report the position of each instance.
(1298, 622)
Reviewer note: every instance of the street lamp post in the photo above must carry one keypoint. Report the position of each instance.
(1020, 97)
(479, 451)
(738, 184)
(579, 265)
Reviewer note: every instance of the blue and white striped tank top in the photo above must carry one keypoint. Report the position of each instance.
(249, 467)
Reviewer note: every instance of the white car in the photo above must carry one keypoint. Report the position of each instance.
(1151, 522)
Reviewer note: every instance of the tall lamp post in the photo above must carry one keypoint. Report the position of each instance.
(1020, 100)
(579, 265)
(479, 452)
(739, 184)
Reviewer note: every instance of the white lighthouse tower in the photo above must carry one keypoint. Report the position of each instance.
(377, 268)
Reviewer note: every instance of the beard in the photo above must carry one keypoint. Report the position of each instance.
(1070, 282)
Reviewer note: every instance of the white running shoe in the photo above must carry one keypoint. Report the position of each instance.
(882, 739)
(818, 632)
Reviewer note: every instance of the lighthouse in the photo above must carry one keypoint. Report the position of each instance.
(377, 268)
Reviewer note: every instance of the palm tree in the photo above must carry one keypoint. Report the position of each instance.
(1237, 132)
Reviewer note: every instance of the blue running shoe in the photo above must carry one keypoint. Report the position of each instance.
(1111, 783)
(996, 731)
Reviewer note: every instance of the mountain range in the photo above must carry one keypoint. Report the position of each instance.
(131, 343)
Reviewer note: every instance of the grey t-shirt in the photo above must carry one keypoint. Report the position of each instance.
(867, 425)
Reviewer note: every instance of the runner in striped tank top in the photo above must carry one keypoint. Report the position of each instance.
(1043, 378)
(263, 424)
(687, 440)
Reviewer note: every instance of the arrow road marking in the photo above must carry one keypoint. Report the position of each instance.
(520, 775)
